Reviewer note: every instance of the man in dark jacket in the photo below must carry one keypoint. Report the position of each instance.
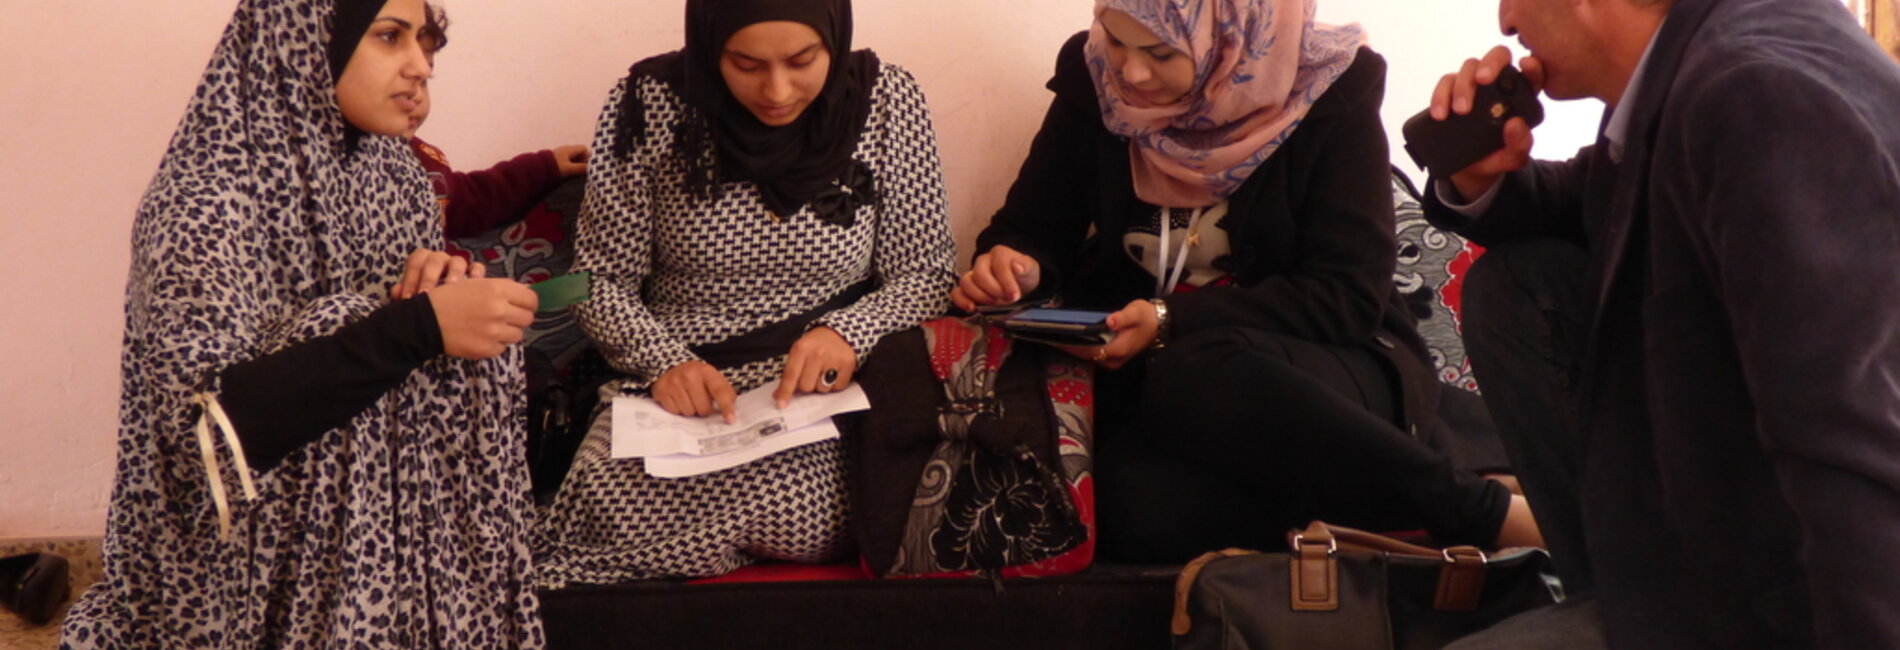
(1691, 331)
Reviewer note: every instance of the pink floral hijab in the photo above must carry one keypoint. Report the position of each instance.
(1260, 66)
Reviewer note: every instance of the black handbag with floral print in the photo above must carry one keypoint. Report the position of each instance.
(974, 457)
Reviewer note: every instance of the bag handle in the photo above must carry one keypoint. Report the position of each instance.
(1315, 577)
(1180, 624)
(1353, 539)
(1460, 581)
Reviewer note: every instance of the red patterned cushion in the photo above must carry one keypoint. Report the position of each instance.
(1430, 274)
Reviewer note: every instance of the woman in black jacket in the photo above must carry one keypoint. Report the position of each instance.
(1215, 173)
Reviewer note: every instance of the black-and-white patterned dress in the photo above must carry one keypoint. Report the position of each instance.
(674, 269)
(406, 528)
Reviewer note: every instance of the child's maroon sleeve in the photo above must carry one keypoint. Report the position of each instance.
(482, 200)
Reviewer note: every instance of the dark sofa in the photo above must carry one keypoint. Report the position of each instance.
(799, 607)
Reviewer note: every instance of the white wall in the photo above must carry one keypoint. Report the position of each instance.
(93, 90)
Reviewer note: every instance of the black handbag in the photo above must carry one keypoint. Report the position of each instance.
(974, 457)
(1345, 589)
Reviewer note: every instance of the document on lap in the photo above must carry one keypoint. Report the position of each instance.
(676, 446)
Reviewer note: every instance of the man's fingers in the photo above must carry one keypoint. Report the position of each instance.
(1517, 136)
(1441, 97)
(1515, 154)
(1491, 64)
(1465, 88)
(1494, 63)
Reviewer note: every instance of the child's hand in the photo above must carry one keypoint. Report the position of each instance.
(571, 159)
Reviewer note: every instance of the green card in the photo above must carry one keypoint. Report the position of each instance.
(558, 293)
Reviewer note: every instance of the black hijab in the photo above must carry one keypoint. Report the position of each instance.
(352, 21)
(791, 164)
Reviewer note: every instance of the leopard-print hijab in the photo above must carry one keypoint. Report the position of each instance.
(264, 226)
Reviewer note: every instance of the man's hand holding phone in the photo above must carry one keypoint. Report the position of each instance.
(1456, 95)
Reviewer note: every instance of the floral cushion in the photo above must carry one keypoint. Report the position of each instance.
(537, 247)
(1430, 274)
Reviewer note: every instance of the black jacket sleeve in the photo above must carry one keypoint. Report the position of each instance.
(281, 401)
(1047, 213)
(1543, 200)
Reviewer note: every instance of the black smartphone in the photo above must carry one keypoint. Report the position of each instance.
(1446, 147)
(1060, 326)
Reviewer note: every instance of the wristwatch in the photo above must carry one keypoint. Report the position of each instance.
(1161, 323)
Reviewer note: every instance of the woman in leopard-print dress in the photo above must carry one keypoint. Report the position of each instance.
(301, 463)
(766, 205)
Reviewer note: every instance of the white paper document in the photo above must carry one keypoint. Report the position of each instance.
(676, 446)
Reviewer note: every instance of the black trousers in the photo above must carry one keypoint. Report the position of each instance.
(1524, 323)
(1230, 437)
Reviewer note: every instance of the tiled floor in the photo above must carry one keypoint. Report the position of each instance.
(82, 554)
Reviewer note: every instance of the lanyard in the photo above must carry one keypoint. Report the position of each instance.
(1164, 280)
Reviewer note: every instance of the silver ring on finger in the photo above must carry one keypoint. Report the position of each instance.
(830, 377)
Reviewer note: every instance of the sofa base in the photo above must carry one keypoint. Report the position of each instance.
(1105, 607)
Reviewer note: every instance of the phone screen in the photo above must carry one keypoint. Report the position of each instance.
(1069, 316)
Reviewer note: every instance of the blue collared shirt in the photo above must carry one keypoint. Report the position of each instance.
(1617, 131)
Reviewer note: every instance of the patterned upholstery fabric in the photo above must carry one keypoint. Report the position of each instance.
(538, 246)
(1431, 272)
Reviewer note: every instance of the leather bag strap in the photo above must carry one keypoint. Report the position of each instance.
(1460, 581)
(1185, 583)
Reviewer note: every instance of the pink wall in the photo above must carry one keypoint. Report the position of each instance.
(93, 90)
